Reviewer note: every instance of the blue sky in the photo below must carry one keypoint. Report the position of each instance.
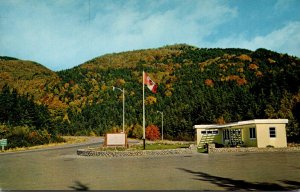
(61, 34)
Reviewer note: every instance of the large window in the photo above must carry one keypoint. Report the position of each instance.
(252, 133)
(272, 132)
(210, 132)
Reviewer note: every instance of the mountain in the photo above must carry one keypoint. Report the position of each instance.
(25, 76)
(195, 85)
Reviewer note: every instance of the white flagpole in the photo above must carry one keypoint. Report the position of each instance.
(144, 130)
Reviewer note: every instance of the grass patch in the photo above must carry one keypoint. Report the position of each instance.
(109, 149)
(75, 139)
(162, 146)
(149, 146)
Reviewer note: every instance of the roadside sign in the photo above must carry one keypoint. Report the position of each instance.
(3, 143)
(116, 139)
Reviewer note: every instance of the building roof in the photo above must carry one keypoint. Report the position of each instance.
(239, 123)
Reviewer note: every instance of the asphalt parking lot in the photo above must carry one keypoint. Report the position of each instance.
(63, 169)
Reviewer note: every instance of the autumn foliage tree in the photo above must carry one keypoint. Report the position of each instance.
(152, 133)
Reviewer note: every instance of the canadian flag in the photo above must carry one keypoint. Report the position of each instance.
(150, 84)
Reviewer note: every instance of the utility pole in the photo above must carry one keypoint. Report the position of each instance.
(123, 91)
(162, 124)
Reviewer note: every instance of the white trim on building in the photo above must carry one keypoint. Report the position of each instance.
(255, 121)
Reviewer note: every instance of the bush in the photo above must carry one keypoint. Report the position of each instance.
(152, 133)
(134, 131)
(18, 137)
(24, 136)
(137, 131)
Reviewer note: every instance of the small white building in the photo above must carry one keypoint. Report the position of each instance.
(253, 133)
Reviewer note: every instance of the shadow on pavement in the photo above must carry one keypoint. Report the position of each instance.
(78, 186)
(232, 184)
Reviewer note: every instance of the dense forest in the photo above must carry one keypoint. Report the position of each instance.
(24, 123)
(195, 86)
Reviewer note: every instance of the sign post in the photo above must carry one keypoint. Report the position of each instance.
(3, 143)
(116, 139)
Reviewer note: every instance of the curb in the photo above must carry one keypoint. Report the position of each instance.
(88, 152)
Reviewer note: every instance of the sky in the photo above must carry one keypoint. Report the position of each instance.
(61, 34)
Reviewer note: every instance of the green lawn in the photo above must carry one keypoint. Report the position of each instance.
(161, 146)
(149, 146)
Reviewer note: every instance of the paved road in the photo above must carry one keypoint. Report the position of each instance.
(63, 169)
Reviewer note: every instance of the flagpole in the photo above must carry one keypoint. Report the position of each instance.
(144, 132)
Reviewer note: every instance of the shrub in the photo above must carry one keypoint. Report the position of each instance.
(152, 133)
(17, 137)
(24, 136)
(137, 131)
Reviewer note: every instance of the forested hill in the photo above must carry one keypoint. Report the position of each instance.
(25, 76)
(195, 85)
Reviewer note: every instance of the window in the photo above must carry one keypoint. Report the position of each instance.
(252, 133)
(210, 132)
(272, 132)
(226, 134)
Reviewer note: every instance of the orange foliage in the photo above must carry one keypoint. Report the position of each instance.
(223, 67)
(241, 81)
(152, 133)
(150, 100)
(220, 120)
(33, 134)
(233, 77)
(253, 66)
(103, 87)
(258, 74)
(53, 102)
(66, 85)
(120, 82)
(245, 57)
(241, 70)
(5, 75)
(209, 82)
(130, 59)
